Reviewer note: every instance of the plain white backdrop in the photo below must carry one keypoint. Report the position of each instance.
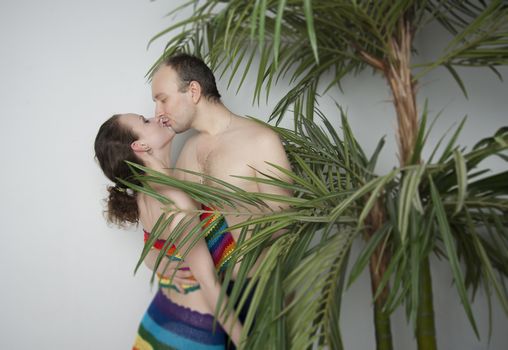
(66, 276)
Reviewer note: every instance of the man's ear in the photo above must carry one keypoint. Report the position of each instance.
(138, 146)
(195, 91)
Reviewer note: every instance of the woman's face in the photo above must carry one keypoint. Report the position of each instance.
(149, 132)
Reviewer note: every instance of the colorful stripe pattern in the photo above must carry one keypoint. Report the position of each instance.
(167, 325)
(164, 282)
(221, 243)
(159, 244)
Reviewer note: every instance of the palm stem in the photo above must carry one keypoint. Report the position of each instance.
(381, 317)
(377, 267)
(425, 328)
(402, 85)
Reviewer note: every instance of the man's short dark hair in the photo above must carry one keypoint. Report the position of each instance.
(191, 68)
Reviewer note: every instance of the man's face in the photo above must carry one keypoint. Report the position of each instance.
(172, 107)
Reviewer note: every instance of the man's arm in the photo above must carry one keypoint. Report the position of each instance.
(269, 150)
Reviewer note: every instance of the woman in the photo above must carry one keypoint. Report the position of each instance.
(174, 319)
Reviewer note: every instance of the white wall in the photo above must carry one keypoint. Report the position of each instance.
(67, 278)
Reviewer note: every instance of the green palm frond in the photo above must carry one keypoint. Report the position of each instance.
(308, 40)
(452, 216)
(301, 40)
(310, 228)
(479, 29)
(316, 284)
(449, 207)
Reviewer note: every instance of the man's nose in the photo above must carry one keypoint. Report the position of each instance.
(158, 111)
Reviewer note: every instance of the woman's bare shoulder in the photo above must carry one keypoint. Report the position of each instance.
(180, 199)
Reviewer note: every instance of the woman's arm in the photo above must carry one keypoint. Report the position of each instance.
(167, 267)
(203, 268)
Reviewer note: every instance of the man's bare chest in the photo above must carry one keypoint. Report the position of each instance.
(227, 163)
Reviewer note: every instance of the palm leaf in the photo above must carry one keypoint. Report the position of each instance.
(445, 231)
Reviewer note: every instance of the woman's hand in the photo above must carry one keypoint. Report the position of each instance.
(183, 275)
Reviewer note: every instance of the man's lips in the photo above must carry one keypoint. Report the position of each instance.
(164, 121)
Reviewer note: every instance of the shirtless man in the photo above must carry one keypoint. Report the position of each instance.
(186, 97)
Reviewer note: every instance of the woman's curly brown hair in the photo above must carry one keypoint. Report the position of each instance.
(112, 149)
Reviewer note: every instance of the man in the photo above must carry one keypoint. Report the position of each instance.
(226, 145)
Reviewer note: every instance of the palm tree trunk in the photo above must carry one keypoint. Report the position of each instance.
(425, 329)
(400, 79)
(377, 267)
(402, 85)
(381, 318)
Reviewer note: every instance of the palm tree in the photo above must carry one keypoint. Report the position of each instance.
(444, 206)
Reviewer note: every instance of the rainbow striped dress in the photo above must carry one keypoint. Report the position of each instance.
(167, 325)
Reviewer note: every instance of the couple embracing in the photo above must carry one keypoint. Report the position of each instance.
(226, 147)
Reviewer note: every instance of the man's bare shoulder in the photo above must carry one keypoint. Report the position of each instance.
(256, 133)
